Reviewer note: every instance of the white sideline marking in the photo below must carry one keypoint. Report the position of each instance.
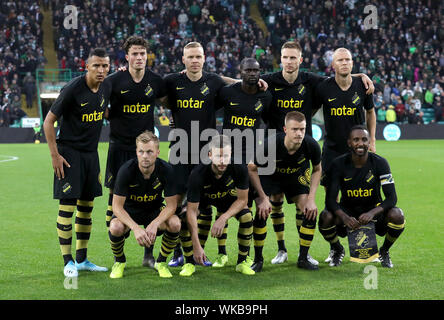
(11, 158)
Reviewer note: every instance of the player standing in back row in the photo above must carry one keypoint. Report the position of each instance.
(345, 104)
(191, 98)
(133, 98)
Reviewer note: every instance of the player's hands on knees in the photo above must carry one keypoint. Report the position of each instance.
(351, 222)
(141, 237)
(199, 255)
(365, 218)
(151, 231)
(218, 227)
(263, 206)
(310, 210)
(57, 163)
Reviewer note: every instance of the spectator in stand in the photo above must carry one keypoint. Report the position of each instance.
(5, 112)
(381, 114)
(438, 108)
(390, 116)
(413, 117)
(400, 110)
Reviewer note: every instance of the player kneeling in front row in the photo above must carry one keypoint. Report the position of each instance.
(294, 152)
(139, 189)
(359, 175)
(225, 186)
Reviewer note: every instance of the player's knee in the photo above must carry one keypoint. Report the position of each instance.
(396, 215)
(116, 228)
(326, 219)
(174, 224)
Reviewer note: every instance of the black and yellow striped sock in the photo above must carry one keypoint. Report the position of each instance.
(259, 235)
(83, 228)
(109, 211)
(222, 240)
(64, 227)
(393, 233)
(306, 235)
(299, 219)
(169, 242)
(244, 234)
(117, 244)
(185, 241)
(330, 234)
(203, 227)
(278, 219)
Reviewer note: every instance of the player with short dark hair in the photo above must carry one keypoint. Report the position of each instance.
(294, 152)
(133, 98)
(140, 188)
(245, 107)
(80, 107)
(225, 186)
(360, 175)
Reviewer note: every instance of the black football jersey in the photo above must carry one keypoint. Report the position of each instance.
(144, 195)
(132, 105)
(342, 110)
(290, 165)
(296, 96)
(360, 187)
(207, 190)
(193, 101)
(243, 111)
(80, 112)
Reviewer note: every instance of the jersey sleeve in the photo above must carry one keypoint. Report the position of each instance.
(314, 150)
(194, 186)
(220, 97)
(63, 101)
(267, 103)
(241, 178)
(121, 186)
(170, 183)
(368, 102)
(387, 183)
(315, 79)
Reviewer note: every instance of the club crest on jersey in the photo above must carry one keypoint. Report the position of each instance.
(258, 106)
(305, 179)
(149, 91)
(301, 89)
(66, 188)
(356, 99)
(205, 90)
(156, 183)
(369, 177)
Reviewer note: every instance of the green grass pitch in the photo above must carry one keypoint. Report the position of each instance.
(31, 264)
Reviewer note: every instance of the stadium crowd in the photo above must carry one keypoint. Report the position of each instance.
(403, 54)
(21, 53)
